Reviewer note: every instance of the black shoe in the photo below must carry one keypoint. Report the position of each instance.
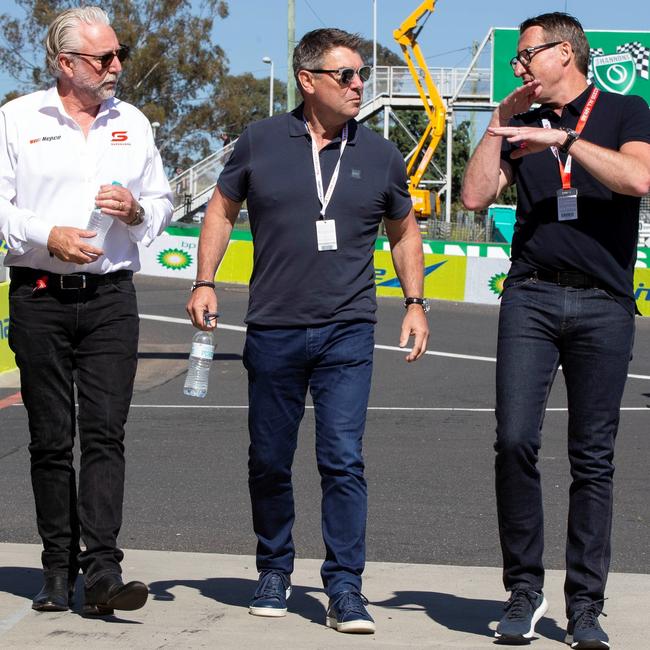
(55, 596)
(110, 593)
(524, 608)
(584, 630)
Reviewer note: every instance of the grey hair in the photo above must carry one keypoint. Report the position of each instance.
(62, 33)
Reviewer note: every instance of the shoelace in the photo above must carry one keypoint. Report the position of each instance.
(588, 617)
(352, 602)
(271, 585)
(518, 605)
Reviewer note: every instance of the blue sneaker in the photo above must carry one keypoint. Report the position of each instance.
(270, 597)
(347, 612)
(584, 630)
(523, 609)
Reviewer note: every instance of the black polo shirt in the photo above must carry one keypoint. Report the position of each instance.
(293, 284)
(602, 241)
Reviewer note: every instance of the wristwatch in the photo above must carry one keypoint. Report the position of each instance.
(571, 137)
(139, 216)
(423, 302)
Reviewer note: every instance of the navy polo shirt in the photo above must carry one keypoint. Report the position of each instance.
(602, 241)
(293, 284)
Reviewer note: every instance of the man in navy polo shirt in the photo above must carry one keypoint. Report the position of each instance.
(580, 161)
(318, 186)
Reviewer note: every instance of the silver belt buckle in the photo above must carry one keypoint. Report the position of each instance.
(80, 282)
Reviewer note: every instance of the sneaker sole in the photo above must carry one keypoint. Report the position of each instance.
(267, 611)
(271, 612)
(592, 644)
(350, 627)
(522, 638)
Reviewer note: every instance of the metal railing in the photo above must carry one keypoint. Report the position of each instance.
(193, 187)
(397, 81)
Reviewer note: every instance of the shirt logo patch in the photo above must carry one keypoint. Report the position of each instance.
(355, 173)
(120, 138)
(45, 138)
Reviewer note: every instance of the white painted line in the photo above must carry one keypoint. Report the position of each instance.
(392, 348)
(434, 353)
(187, 321)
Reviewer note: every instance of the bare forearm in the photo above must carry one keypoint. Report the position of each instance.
(408, 258)
(619, 171)
(218, 223)
(484, 180)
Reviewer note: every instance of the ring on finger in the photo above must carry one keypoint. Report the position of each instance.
(121, 208)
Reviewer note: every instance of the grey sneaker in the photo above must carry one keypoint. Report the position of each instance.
(270, 597)
(347, 612)
(584, 630)
(523, 609)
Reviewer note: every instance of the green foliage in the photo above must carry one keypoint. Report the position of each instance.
(171, 75)
(243, 99)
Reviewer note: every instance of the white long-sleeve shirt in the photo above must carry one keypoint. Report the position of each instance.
(50, 174)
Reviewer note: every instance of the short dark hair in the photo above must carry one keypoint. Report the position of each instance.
(314, 45)
(559, 26)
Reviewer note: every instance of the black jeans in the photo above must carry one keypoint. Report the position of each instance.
(88, 338)
(542, 325)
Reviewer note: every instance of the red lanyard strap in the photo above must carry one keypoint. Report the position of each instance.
(565, 170)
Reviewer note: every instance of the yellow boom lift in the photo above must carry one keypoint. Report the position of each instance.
(406, 35)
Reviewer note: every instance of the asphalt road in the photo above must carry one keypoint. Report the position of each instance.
(428, 446)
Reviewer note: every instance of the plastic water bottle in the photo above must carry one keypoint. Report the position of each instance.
(198, 372)
(100, 223)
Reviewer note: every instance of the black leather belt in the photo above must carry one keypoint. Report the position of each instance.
(76, 281)
(569, 279)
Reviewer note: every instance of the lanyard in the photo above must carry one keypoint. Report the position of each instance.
(325, 198)
(565, 169)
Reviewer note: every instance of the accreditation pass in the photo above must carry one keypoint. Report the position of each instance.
(567, 204)
(326, 234)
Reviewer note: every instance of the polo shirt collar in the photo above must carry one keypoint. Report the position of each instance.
(51, 101)
(297, 126)
(574, 107)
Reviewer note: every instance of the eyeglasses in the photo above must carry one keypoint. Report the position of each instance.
(525, 56)
(104, 60)
(345, 75)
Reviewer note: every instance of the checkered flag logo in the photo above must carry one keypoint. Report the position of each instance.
(638, 51)
(641, 55)
(593, 51)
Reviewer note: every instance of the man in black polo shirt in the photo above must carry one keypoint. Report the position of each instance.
(580, 161)
(318, 186)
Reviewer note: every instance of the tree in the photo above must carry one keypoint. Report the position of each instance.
(170, 75)
(243, 99)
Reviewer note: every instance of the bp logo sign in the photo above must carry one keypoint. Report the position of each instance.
(174, 259)
(614, 72)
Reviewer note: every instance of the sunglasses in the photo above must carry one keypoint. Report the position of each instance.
(104, 60)
(345, 75)
(525, 56)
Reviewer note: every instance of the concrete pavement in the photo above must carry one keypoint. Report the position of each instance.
(199, 600)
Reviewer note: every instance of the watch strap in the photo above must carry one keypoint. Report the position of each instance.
(571, 137)
(202, 283)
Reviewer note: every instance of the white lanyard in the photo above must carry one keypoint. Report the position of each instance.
(325, 198)
(567, 165)
(565, 170)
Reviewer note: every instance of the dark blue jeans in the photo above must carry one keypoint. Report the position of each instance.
(335, 362)
(88, 339)
(542, 325)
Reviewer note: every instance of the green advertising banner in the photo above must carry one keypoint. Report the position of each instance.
(619, 62)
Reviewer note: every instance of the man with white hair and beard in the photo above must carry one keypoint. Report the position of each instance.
(73, 312)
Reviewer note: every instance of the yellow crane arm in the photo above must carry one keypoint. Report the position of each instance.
(406, 35)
